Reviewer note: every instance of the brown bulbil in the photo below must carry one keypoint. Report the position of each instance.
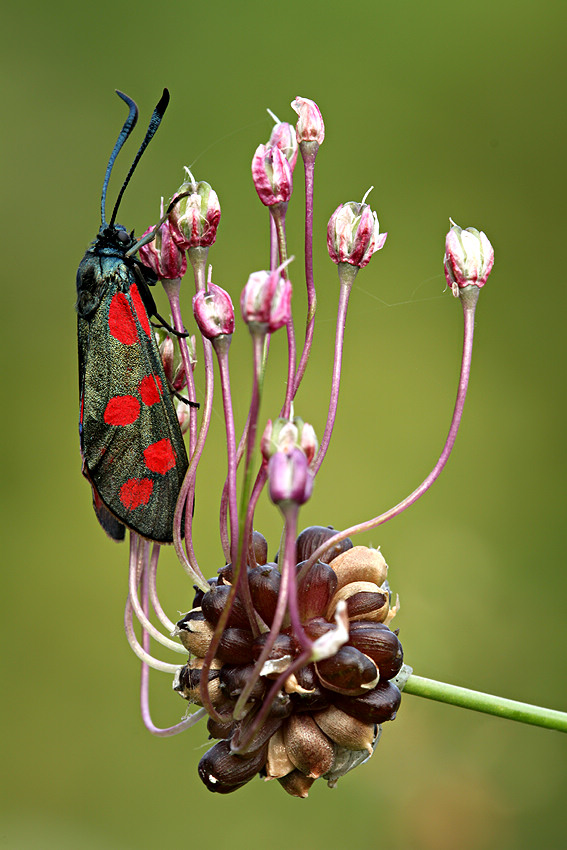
(296, 783)
(233, 678)
(259, 549)
(214, 602)
(198, 598)
(189, 681)
(194, 632)
(376, 706)
(225, 728)
(260, 737)
(364, 599)
(264, 583)
(278, 763)
(318, 627)
(311, 538)
(348, 672)
(283, 645)
(307, 746)
(360, 564)
(224, 772)
(344, 730)
(315, 591)
(235, 646)
(380, 644)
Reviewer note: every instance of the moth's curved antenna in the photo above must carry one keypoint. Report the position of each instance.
(129, 125)
(155, 121)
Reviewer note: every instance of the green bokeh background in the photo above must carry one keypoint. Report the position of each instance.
(447, 109)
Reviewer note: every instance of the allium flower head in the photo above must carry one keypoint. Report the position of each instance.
(324, 718)
(469, 257)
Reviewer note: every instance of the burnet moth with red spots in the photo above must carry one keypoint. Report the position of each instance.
(131, 442)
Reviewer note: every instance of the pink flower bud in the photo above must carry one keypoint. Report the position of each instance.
(310, 126)
(162, 255)
(196, 217)
(266, 441)
(183, 415)
(353, 234)
(284, 435)
(284, 137)
(469, 257)
(266, 300)
(213, 311)
(307, 440)
(271, 173)
(167, 352)
(290, 479)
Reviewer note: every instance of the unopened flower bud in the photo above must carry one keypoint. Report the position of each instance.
(285, 434)
(469, 257)
(266, 301)
(310, 126)
(290, 479)
(167, 353)
(163, 255)
(195, 218)
(272, 175)
(284, 137)
(213, 311)
(353, 234)
(307, 439)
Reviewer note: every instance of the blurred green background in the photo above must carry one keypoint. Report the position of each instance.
(447, 110)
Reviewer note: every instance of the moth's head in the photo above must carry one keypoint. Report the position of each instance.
(115, 236)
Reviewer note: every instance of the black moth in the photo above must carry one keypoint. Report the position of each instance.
(131, 443)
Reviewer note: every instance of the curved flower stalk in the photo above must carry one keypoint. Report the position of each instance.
(293, 661)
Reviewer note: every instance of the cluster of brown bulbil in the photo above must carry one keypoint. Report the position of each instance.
(326, 718)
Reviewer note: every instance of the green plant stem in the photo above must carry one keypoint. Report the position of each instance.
(523, 712)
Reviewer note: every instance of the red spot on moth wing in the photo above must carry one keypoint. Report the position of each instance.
(121, 320)
(150, 389)
(140, 309)
(160, 456)
(136, 492)
(122, 410)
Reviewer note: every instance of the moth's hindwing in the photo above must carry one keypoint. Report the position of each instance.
(132, 446)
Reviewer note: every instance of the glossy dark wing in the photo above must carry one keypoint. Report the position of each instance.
(132, 446)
